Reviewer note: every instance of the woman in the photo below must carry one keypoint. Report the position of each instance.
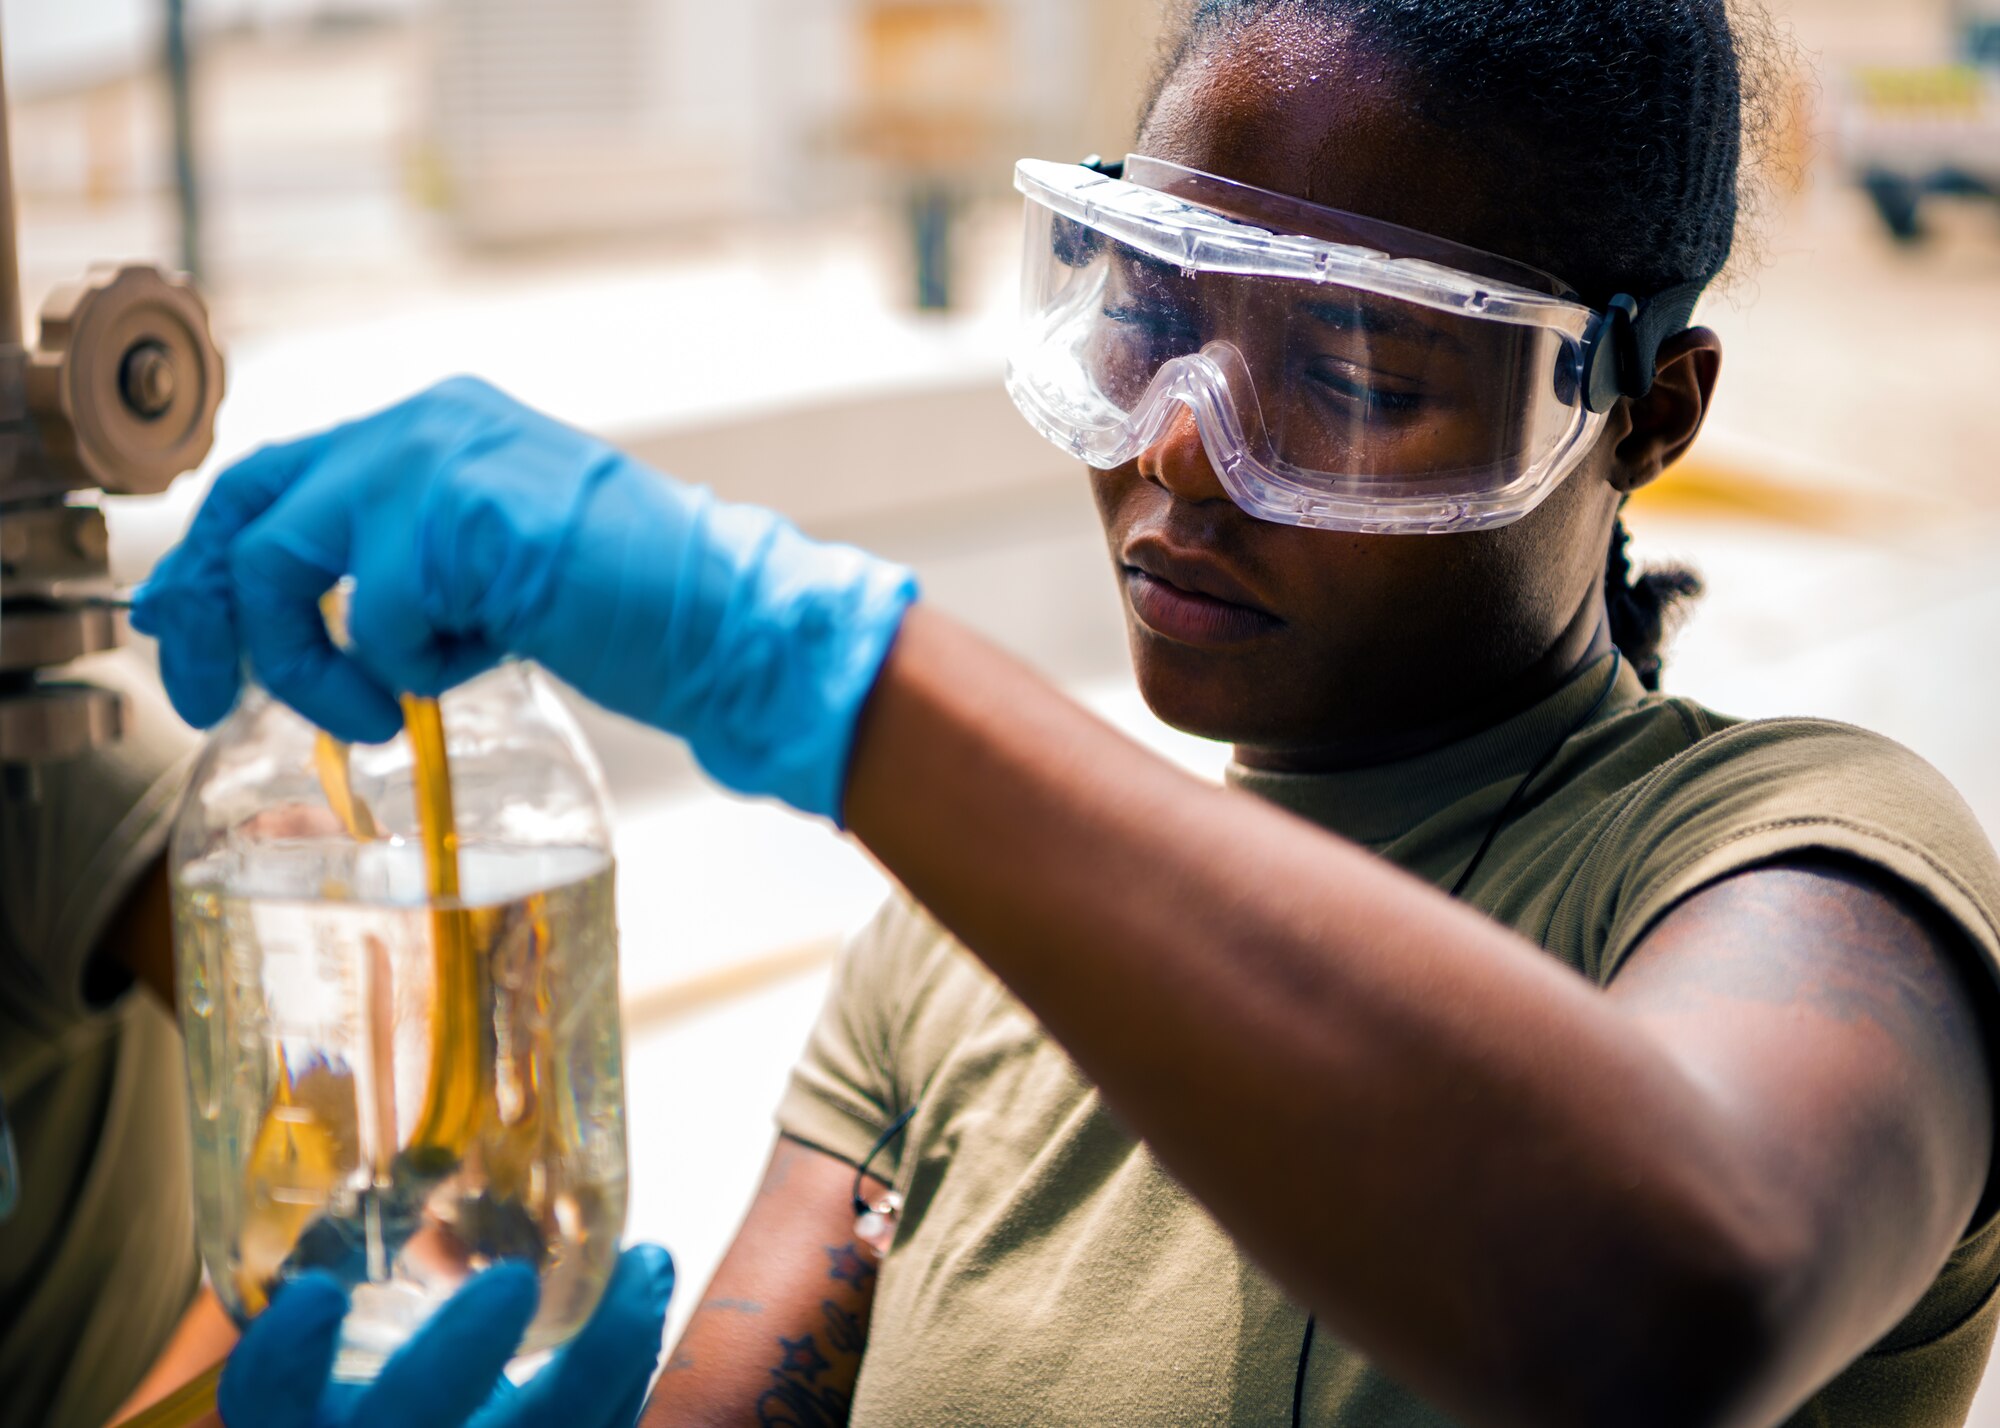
(1509, 1045)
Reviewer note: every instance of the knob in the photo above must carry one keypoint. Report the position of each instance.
(125, 379)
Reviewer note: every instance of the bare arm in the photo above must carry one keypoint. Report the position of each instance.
(202, 1340)
(1531, 1201)
(1836, 1030)
(778, 1339)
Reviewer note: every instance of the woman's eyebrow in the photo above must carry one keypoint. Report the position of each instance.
(1378, 321)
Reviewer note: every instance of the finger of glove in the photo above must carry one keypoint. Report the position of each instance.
(276, 598)
(279, 1369)
(397, 645)
(599, 1380)
(442, 1376)
(200, 660)
(185, 605)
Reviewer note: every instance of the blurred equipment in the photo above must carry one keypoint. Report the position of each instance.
(631, 120)
(933, 110)
(118, 395)
(588, 119)
(180, 88)
(1979, 30)
(1907, 134)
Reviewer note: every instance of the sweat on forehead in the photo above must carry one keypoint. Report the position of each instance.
(1293, 104)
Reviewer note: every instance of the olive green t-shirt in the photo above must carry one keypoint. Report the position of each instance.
(1048, 1271)
(98, 1262)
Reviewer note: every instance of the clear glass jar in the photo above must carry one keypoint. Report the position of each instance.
(395, 1088)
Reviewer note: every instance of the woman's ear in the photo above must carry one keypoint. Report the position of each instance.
(1667, 419)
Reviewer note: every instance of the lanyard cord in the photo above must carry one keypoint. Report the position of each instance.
(10, 1167)
(889, 1133)
(1507, 811)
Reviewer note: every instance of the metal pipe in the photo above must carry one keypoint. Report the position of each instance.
(180, 87)
(10, 263)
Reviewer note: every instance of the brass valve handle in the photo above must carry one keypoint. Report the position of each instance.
(124, 383)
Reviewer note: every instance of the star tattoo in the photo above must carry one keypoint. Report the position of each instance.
(802, 1357)
(846, 1265)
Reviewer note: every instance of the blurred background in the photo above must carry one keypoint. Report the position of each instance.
(770, 245)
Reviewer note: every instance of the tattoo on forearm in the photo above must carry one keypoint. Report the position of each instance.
(846, 1334)
(812, 1385)
(733, 1306)
(802, 1358)
(796, 1397)
(847, 1264)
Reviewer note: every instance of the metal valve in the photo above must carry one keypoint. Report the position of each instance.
(125, 381)
(119, 395)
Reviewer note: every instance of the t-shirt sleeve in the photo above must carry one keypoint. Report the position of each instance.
(75, 836)
(845, 1090)
(1759, 793)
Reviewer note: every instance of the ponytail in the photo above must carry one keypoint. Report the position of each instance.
(1644, 612)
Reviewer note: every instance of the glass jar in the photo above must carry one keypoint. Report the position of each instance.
(394, 1087)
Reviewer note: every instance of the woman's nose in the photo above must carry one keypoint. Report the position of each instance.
(1178, 462)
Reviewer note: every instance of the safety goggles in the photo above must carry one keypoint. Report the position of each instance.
(1342, 373)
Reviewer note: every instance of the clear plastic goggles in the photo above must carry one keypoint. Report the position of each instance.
(1342, 373)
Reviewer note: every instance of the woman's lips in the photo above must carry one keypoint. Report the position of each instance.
(1189, 617)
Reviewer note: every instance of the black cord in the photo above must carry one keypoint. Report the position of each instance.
(1507, 811)
(1299, 1383)
(894, 1129)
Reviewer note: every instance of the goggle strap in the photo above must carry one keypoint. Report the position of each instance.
(1625, 347)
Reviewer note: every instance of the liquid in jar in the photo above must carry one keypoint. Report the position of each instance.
(395, 1088)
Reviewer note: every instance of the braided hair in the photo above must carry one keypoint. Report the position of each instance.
(1644, 609)
(1627, 119)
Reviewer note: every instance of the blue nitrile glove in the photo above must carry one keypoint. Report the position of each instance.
(449, 1375)
(476, 528)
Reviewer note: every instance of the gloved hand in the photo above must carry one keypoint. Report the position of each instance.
(476, 528)
(450, 1374)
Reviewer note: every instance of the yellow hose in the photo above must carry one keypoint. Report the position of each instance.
(456, 1096)
(183, 1408)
